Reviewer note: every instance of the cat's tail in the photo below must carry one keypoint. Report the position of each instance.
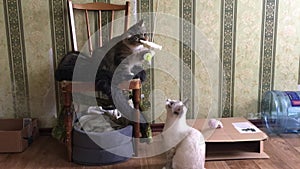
(121, 103)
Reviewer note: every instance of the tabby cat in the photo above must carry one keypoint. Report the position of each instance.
(118, 60)
(123, 59)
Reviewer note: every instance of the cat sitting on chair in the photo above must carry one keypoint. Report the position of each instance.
(118, 60)
(186, 143)
(123, 57)
(124, 53)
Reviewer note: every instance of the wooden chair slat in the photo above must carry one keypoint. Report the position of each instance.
(88, 29)
(99, 28)
(111, 32)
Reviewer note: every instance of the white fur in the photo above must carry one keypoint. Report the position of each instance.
(214, 123)
(188, 142)
(139, 48)
(151, 44)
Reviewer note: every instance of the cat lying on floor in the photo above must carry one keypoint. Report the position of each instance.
(189, 150)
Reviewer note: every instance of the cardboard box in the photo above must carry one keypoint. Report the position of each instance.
(15, 136)
(231, 142)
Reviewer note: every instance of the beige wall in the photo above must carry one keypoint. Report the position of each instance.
(39, 60)
(248, 39)
(287, 49)
(6, 101)
(43, 29)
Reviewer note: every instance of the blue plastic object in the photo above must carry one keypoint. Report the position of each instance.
(281, 111)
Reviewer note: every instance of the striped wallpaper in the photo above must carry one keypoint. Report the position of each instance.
(256, 41)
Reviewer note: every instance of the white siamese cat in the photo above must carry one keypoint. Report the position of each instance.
(186, 143)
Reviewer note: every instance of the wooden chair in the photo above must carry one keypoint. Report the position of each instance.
(68, 87)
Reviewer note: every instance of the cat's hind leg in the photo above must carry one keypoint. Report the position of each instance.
(170, 155)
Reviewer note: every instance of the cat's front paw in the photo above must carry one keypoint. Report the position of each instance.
(128, 76)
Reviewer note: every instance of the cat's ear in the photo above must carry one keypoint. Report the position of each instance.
(141, 23)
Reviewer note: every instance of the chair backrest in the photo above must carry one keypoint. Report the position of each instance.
(98, 8)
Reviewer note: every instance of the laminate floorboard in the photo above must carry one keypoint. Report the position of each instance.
(47, 153)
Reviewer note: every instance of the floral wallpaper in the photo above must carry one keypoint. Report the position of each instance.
(287, 49)
(6, 100)
(39, 60)
(247, 58)
(169, 87)
(238, 50)
(207, 66)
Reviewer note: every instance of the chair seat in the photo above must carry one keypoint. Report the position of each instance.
(78, 86)
(79, 91)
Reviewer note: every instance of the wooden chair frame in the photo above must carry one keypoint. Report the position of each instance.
(97, 7)
(68, 87)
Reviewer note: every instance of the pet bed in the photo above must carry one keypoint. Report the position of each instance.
(100, 148)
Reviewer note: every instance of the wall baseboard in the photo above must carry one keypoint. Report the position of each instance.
(45, 131)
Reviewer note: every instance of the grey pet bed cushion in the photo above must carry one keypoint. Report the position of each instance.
(92, 148)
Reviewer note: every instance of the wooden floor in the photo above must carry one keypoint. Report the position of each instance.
(284, 152)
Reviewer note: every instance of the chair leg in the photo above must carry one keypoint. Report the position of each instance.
(68, 125)
(136, 128)
(68, 119)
